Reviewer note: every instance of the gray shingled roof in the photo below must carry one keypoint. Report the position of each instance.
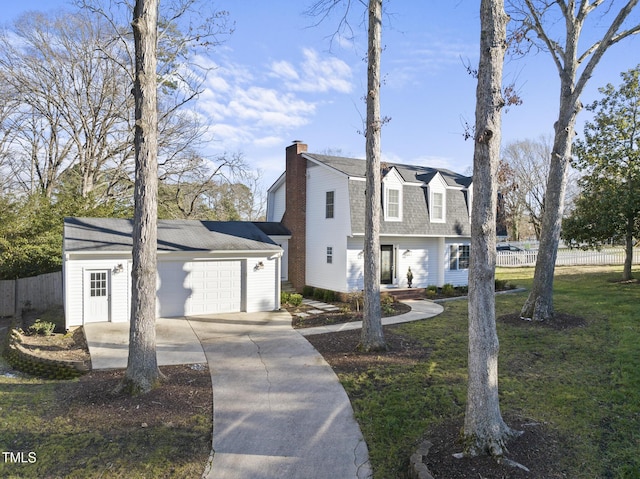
(410, 173)
(415, 216)
(113, 234)
(415, 213)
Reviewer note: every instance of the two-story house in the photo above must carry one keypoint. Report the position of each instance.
(424, 223)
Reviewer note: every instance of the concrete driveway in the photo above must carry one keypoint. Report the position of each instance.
(279, 409)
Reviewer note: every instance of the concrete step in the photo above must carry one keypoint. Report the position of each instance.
(410, 293)
(287, 287)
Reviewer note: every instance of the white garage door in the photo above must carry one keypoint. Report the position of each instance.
(199, 287)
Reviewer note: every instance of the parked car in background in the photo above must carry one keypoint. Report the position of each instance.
(508, 247)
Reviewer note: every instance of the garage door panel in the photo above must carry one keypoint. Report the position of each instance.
(200, 287)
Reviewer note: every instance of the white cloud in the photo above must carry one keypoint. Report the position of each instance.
(249, 106)
(318, 75)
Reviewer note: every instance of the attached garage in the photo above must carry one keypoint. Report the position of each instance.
(204, 267)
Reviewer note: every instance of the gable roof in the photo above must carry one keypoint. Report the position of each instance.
(355, 167)
(115, 235)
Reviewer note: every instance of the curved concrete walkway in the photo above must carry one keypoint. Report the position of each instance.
(420, 309)
(279, 409)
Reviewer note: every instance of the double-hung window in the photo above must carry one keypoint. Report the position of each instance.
(329, 254)
(393, 204)
(329, 204)
(458, 256)
(437, 206)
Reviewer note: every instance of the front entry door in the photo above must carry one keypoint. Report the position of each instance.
(97, 296)
(386, 264)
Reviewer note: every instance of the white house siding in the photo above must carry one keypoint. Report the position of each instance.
(421, 254)
(254, 288)
(277, 200)
(325, 232)
(75, 287)
(458, 277)
(262, 285)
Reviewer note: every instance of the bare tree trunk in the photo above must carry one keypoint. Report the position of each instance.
(142, 372)
(539, 304)
(372, 336)
(485, 431)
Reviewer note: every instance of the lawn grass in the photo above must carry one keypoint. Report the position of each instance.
(49, 432)
(583, 382)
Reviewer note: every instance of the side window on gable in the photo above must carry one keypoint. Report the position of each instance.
(329, 204)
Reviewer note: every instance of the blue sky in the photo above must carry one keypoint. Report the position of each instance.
(278, 78)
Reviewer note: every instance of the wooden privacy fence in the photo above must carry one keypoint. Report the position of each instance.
(568, 257)
(38, 292)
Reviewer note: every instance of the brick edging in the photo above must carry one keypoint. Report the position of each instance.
(417, 468)
(23, 360)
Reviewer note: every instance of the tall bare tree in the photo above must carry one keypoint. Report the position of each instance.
(372, 335)
(540, 17)
(525, 168)
(142, 372)
(485, 431)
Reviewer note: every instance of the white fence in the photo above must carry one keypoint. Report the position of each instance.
(568, 257)
(38, 292)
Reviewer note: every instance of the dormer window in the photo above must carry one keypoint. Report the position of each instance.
(393, 203)
(392, 196)
(437, 209)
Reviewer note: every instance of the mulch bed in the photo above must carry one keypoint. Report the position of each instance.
(185, 391)
(336, 317)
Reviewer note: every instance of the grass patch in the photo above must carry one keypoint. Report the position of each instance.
(81, 429)
(581, 382)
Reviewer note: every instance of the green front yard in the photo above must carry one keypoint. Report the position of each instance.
(582, 383)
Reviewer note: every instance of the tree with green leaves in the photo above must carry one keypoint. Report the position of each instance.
(609, 156)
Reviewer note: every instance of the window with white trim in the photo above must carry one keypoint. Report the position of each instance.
(437, 206)
(393, 204)
(459, 256)
(329, 204)
(329, 254)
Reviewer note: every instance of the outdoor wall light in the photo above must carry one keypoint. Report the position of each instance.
(361, 254)
(118, 269)
(259, 266)
(407, 253)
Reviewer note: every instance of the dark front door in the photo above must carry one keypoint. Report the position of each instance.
(386, 264)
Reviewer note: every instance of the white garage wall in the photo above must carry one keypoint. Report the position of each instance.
(262, 284)
(258, 288)
(119, 287)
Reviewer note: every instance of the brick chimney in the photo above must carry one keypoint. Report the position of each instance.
(295, 212)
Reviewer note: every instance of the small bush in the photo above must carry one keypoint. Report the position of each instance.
(318, 294)
(284, 297)
(307, 291)
(448, 290)
(431, 291)
(329, 296)
(386, 299)
(43, 328)
(295, 299)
